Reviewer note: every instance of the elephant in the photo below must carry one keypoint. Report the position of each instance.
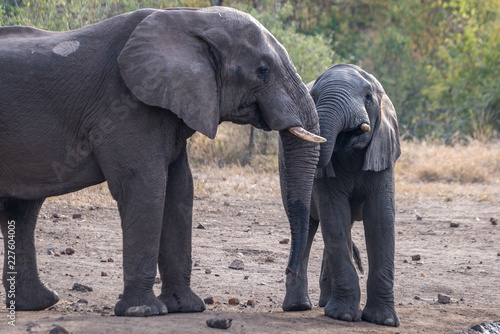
(354, 181)
(116, 101)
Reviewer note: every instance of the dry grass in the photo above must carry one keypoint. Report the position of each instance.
(434, 170)
(423, 171)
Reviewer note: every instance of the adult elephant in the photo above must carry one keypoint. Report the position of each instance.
(116, 102)
(354, 181)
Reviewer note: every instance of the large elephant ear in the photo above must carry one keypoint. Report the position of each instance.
(384, 148)
(166, 63)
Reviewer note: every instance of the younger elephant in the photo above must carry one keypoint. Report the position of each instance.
(354, 181)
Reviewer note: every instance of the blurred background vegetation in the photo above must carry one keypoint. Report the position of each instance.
(438, 60)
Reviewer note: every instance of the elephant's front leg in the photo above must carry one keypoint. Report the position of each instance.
(140, 202)
(175, 245)
(378, 219)
(339, 280)
(24, 290)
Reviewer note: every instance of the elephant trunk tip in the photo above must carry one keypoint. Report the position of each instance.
(290, 271)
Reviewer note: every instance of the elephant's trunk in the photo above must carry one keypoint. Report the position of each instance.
(297, 168)
(331, 124)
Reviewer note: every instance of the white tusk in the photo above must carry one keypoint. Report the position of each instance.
(306, 135)
(365, 127)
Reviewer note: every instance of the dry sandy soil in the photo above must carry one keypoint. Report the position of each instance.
(244, 219)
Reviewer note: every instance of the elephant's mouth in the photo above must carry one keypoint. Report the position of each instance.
(348, 140)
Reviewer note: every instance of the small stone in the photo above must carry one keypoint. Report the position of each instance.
(82, 301)
(239, 213)
(443, 299)
(246, 277)
(157, 280)
(201, 226)
(51, 251)
(110, 259)
(416, 257)
(58, 330)
(55, 220)
(454, 224)
(57, 254)
(220, 323)
(81, 288)
(284, 241)
(469, 267)
(69, 251)
(418, 217)
(423, 274)
(209, 300)
(226, 204)
(234, 301)
(405, 261)
(493, 221)
(251, 302)
(103, 273)
(55, 215)
(138, 311)
(208, 271)
(237, 265)
(416, 297)
(77, 216)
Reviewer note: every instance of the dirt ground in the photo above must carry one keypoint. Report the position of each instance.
(246, 221)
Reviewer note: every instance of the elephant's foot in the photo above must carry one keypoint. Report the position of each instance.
(296, 302)
(32, 296)
(140, 305)
(343, 311)
(182, 301)
(381, 315)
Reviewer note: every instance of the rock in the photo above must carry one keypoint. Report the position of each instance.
(57, 254)
(82, 301)
(443, 299)
(81, 288)
(405, 261)
(58, 330)
(493, 221)
(454, 224)
(239, 213)
(251, 302)
(77, 216)
(417, 298)
(418, 216)
(110, 259)
(209, 300)
(234, 301)
(138, 311)
(69, 251)
(51, 251)
(103, 273)
(237, 265)
(220, 323)
(284, 241)
(416, 257)
(55, 215)
(201, 226)
(208, 271)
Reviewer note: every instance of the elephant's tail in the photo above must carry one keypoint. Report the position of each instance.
(357, 258)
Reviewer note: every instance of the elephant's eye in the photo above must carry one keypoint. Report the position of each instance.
(368, 97)
(263, 71)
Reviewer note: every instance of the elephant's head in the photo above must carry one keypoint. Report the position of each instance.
(219, 64)
(355, 113)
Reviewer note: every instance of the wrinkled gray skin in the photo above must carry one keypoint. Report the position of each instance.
(116, 102)
(354, 181)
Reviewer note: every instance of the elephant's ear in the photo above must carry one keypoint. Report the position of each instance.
(384, 148)
(166, 63)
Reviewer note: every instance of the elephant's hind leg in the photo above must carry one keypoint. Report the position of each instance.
(174, 259)
(20, 274)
